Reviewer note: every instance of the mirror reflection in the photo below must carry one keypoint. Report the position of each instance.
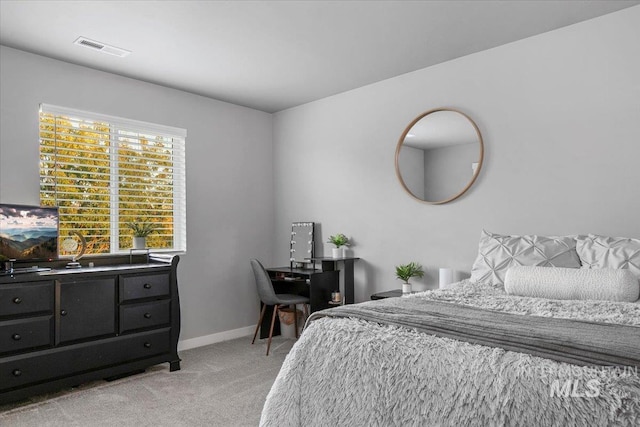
(439, 155)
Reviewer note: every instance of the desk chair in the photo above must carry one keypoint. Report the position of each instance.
(269, 297)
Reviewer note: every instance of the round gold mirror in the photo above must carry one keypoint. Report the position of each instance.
(439, 155)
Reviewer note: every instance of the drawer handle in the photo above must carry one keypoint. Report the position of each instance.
(17, 300)
(147, 315)
(63, 312)
(17, 372)
(16, 337)
(147, 345)
(147, 285)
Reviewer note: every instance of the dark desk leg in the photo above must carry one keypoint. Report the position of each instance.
(349, 294)
(320, 288)
(349, 297)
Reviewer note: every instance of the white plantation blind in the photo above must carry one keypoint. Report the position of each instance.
(104, 172)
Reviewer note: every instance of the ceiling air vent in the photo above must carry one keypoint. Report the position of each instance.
(101, 47)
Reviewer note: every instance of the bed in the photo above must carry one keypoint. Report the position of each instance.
(477, 354)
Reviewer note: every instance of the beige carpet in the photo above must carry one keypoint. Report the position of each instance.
(222, 384)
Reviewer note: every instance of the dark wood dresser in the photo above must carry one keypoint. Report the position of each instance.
(63, 327)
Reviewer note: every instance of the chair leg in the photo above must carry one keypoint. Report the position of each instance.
(264, 308)
(295, 318)
(273, 321)
(305, 309)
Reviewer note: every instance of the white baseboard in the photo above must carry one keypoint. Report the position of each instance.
(214, 338)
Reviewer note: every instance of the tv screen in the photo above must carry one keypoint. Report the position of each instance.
(28, 233)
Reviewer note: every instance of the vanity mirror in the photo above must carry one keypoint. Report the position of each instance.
(301, 243)
(439, 155)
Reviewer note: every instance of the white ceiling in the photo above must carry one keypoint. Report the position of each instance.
(273, 55)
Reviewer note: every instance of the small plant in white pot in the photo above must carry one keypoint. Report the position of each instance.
(405, 272)
(340, 241)
(141, 230)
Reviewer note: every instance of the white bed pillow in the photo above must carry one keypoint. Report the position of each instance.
(496, 253)
(609, 252)
(605, 284)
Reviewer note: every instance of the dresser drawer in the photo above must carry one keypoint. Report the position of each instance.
(25, 298)
(146, 315)
(22, 334)
(17, 371)
(144, 286)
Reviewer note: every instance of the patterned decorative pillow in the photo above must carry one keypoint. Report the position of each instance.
(609, 252)
(496, 253)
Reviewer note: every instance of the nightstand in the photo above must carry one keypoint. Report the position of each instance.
(387, 294)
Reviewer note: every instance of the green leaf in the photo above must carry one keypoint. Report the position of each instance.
(141, 229)
(405, 272)
(339, 240)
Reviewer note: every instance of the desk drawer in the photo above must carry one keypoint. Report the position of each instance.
(144, 286)
(25, 298)
(21, 334)
(45, 365)
(146, 315)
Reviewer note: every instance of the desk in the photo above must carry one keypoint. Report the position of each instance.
(332, 264)
(315, 284)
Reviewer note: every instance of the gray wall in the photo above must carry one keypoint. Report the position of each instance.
(559, 113)
(230, 210)
(560, 117)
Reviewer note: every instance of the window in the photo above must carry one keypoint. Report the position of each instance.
(104, 172)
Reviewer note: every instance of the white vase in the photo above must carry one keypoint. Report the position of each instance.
(446, 278)
(406, 288)
(336, 253)
(139, 242)
(343, 252)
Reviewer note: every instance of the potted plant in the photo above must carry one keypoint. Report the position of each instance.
(141, 230)
(339, 240)
(405, 272)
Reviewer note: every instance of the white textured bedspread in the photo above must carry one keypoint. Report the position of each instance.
(350, 372)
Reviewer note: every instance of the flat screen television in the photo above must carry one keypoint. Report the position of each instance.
(28, 233)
